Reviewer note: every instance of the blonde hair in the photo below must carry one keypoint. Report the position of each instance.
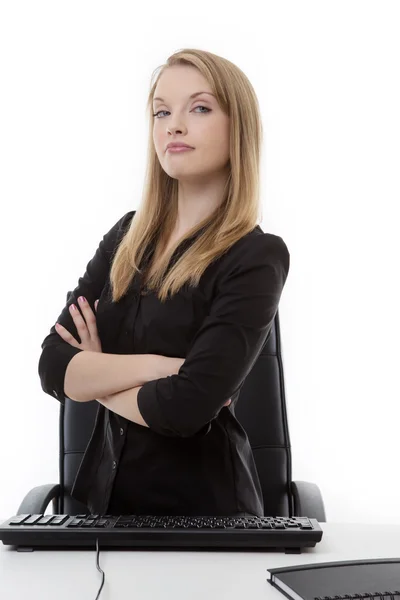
(239, 211)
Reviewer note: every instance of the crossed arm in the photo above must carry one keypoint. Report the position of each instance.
(125, 404)
(94, 375)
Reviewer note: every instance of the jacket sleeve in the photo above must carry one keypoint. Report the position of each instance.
(225, 348)
(56, 352)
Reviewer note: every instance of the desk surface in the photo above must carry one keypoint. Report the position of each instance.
(165, 575)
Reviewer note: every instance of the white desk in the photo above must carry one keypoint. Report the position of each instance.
(189, 575)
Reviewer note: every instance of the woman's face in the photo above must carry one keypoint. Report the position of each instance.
(198, 122)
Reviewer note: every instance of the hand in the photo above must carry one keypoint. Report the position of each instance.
(87, 330)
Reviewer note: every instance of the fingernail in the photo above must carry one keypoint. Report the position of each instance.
(82, 298)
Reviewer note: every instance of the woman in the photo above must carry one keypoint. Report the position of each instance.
(188, 288)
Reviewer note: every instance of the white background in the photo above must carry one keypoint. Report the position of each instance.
(74, 83)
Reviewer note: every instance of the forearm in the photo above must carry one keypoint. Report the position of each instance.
(125, 404)
(91, 375)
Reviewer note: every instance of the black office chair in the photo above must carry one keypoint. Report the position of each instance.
(260, 409)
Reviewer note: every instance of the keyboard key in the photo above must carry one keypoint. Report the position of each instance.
(88, 523)
(75, 523)
(59, 519)
(18, 519)
(101, 522)
(32, 520)
(45, 520)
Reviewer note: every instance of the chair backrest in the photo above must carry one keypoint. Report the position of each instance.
(260, 409)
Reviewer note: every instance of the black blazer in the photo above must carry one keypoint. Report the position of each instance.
(195, 457)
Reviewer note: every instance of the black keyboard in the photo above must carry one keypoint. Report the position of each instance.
(288, 534)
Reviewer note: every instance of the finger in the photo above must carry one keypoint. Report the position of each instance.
(89, 323)
(65, 334)
(95, 304)
(80, 324)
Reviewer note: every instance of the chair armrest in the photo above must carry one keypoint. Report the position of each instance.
(38, 498)
(308, 501)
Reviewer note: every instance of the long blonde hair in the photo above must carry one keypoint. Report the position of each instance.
(239, 211)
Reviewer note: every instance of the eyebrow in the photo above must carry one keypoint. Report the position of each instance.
(190, 97)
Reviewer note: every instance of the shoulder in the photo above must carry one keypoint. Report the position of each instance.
(115, 234)
(257, 249)
(124, 222)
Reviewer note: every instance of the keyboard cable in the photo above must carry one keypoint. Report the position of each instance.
(99, 568)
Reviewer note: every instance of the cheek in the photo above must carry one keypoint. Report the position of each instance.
(159, 135)
(157, 140)
(214, 137)
(215, 145)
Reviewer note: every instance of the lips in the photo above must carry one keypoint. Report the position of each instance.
(179, 149)
(169, 146)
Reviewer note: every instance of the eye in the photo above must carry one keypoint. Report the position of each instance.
(199, 106)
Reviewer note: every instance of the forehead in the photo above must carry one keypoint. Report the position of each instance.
(189, 97)
(181, 82)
